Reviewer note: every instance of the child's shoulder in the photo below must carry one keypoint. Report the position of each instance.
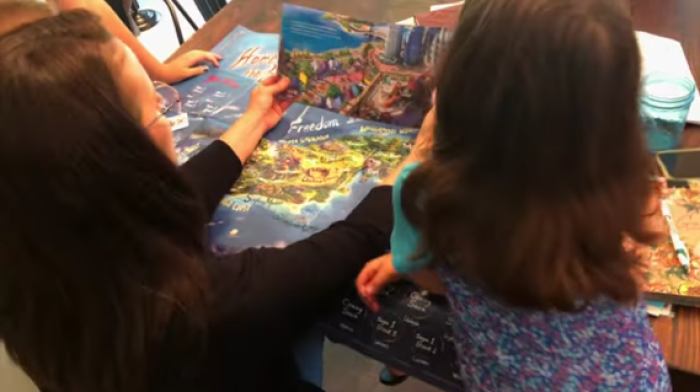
(406, 171)
(400, 179)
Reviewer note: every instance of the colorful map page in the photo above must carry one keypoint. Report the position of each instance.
(309, 172)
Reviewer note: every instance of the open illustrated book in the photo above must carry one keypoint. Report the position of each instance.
(373, 71)
(311, 170)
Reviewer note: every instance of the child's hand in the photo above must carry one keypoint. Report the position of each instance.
(376, 274)
(187, 66)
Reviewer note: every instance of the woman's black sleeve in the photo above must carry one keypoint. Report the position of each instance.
(287, 290)
(212, 173)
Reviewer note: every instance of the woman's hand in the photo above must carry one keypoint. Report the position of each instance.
(264, 112)
(264, 104)
(186, 66)
(374, 276)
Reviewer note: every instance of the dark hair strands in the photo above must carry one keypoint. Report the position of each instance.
(101, 238)
(539, 170)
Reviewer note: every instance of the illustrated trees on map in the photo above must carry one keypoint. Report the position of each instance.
(395, 144)
(285, 175)
(365, 51)
(333, 91)
(305, 67)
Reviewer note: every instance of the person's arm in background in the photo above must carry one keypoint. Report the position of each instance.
(180, 68)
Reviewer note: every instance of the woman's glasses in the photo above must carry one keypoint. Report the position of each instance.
(168, 101)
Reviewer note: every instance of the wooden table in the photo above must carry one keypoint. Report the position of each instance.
(677, 19)
(680, 20)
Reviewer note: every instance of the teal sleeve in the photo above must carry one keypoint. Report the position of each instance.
(404, 237)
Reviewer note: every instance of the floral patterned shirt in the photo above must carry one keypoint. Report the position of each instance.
(605, 347)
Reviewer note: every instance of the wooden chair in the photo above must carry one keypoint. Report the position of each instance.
(139, 20)
(209, 8)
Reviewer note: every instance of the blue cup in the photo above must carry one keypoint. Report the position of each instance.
(665, 103)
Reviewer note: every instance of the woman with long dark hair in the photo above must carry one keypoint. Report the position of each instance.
(105, 284)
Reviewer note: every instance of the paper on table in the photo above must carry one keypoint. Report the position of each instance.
(659, 309)
(407, 22)
(442, 6)
(664, 54)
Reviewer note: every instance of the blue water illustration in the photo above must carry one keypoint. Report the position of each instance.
(312, 30)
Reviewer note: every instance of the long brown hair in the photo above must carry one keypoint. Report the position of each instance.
(101, 239)
(538, 169)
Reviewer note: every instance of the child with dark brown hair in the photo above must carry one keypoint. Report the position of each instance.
(537, 175)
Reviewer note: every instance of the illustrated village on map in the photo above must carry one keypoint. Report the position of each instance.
(309, 172)
(378, 72)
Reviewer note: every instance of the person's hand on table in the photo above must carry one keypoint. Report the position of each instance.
(374, 276)
(186, 66)
(264, 111)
